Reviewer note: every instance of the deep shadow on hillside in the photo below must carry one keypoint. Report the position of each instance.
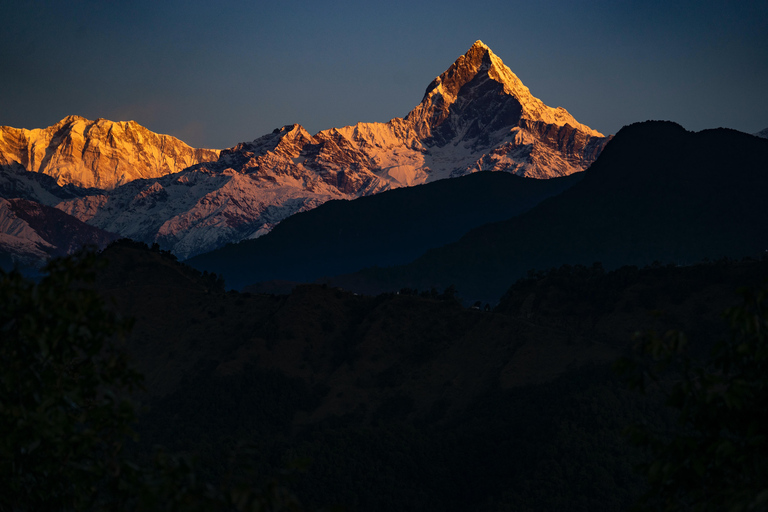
(411, 401)
(389, 228)
(656, 193)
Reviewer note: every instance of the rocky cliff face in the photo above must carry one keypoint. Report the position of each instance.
(99, 153)
(476, 116)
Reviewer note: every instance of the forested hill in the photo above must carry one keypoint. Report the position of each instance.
(410, 401)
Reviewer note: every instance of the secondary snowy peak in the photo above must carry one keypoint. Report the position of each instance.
(99, 153)
(285, 142)
(474, 75)
(762, 133)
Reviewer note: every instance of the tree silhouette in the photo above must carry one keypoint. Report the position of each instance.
(66, 416)
(717, 456)
(64, 412)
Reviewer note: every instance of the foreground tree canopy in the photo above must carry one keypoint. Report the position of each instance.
(66, 420)
(64, 416)
(716, 459)
(65, 413)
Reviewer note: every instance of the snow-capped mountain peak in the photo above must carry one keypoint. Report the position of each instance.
(469, 76)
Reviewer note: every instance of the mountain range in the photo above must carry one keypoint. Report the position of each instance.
(123, 179)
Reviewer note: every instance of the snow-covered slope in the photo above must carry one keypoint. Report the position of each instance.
(97, 153)
(762, 133)
(475, 116)
(198, 209)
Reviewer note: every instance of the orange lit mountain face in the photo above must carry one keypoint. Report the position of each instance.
(101, 153)
(475, 116)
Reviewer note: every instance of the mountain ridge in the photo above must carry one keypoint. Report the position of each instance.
(32, 232)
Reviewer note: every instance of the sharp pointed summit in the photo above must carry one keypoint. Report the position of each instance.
(448, 84)
(479, 76)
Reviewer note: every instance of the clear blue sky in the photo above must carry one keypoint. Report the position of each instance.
(218, 73)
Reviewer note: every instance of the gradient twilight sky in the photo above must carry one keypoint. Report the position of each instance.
(218, 73)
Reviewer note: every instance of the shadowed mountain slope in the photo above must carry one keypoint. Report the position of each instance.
(390, 228)
(657, 192)
(31, 232)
